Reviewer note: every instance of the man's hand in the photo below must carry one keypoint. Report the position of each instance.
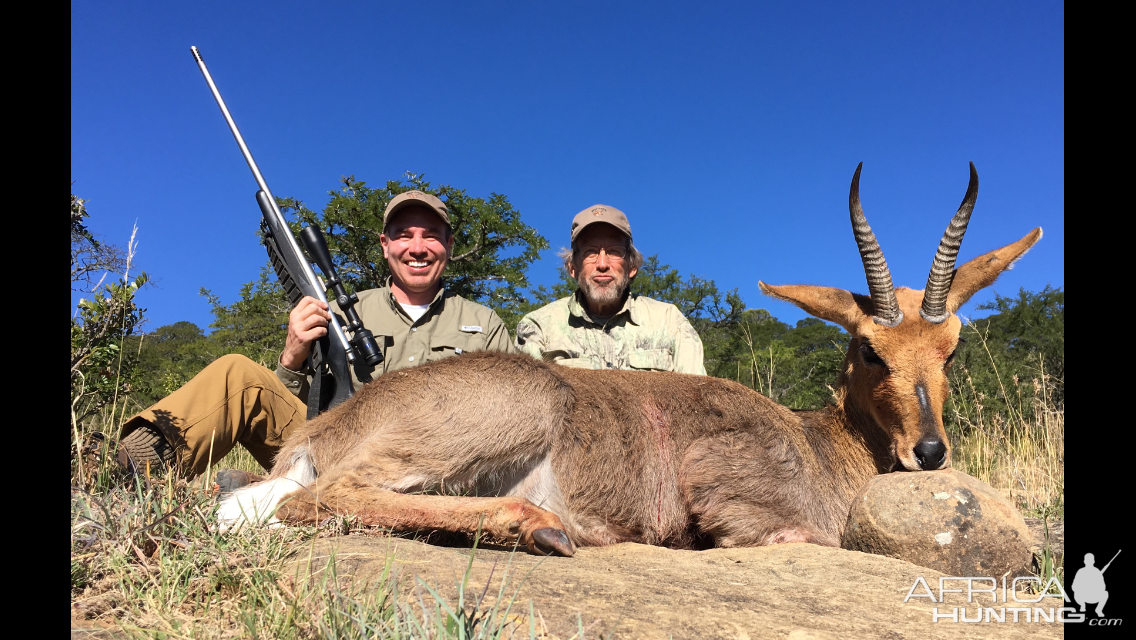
(306, 323)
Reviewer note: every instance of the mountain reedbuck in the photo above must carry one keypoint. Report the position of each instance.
(577, 457)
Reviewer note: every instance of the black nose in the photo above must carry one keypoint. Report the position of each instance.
(930, 454)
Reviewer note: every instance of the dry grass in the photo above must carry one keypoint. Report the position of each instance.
(1019, 448)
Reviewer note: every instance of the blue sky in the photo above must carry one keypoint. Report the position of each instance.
(728, 132)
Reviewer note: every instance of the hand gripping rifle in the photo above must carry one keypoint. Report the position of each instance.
(333, 354)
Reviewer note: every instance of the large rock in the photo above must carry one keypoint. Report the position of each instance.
(945, 520)
(796, 591)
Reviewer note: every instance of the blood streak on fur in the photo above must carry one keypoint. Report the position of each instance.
(657, 419)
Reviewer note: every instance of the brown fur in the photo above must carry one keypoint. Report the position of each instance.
(612, 456)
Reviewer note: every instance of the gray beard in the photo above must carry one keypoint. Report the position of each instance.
(604, 295)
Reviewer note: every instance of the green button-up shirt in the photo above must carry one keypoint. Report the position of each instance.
(645, 334)
(451, 326)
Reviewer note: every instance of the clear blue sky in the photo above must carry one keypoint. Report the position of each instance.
(728, 132)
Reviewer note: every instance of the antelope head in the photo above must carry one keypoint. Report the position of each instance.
(903, 340)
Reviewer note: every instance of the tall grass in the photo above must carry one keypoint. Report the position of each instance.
(1014, 441)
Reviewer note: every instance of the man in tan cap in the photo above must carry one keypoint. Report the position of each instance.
(602, 326)
(414, 320)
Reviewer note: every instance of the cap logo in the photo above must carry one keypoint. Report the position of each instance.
(599, 211)
(413, 194)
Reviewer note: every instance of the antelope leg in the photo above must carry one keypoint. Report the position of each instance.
(506, 518)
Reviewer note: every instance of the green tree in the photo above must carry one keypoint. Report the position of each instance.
(168, 357)
(256, 324)
(1012, 362)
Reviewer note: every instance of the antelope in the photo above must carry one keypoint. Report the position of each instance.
(556, 457)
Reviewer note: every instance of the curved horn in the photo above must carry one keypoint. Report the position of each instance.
(875, 267)
(934, 307)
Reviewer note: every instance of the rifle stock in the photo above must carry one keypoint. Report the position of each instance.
(332, 355)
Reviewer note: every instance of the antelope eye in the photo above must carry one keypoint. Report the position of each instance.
(870, 356)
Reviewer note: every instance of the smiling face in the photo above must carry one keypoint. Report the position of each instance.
(416, 244)
(600, 266)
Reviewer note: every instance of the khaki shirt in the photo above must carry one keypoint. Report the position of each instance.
(645, 334)
(451, 326)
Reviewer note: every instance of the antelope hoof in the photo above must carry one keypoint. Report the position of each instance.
(229, 480)
(549, 541)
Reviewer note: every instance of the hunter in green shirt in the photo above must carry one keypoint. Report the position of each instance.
(450, 325)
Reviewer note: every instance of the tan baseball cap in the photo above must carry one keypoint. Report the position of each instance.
(600, 213)
(416, 198)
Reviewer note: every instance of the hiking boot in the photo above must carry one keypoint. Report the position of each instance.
(142, 445)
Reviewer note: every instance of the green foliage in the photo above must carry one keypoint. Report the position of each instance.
(492, 252)
(1028, 335)
(102, 371)
(168, 357)
(1011, 363)
(256, 324)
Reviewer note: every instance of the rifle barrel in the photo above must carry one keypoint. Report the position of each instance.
(1110, 561)
(335, 327)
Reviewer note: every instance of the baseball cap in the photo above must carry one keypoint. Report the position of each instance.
(600, 213)
(416, 198)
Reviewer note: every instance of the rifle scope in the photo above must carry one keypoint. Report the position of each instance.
(362, 339)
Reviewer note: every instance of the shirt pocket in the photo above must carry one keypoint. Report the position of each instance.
(651, 360)
(561, 352)
(443, 351)
(455, 344)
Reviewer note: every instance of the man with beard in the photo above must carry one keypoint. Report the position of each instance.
(601, 326)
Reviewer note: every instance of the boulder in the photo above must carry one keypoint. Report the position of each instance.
(625, 591)
(945, 520)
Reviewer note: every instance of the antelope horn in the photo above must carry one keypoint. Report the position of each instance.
(934, 307)
(875, 267)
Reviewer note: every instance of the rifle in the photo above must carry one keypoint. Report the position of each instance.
(333, 353)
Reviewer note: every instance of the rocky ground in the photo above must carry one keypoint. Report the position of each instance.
(793, 591)
(943, 519)
(635, 591)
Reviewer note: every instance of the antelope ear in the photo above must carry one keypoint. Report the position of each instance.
(982, 271)
(835, 305)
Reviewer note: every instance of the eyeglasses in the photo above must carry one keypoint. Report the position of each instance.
(592, 254)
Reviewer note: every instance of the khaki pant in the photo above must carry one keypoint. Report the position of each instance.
(232, 400)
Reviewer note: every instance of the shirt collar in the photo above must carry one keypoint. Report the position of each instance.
(397, 308)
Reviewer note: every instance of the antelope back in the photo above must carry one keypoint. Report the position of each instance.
(904, 340)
